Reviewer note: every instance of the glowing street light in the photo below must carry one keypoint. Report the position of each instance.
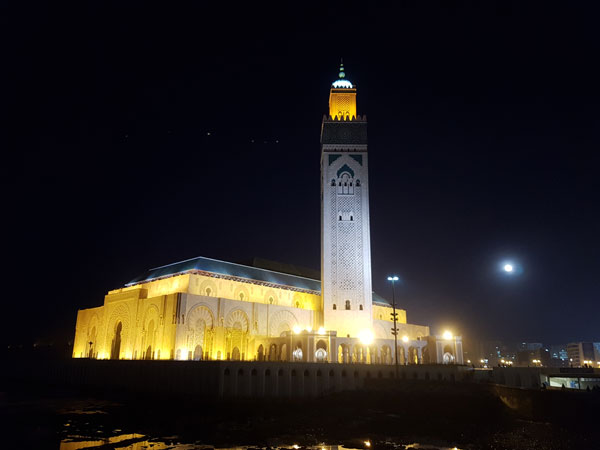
(508, 268)
(447, 335)
(405, 339)
(393, 279)
(366, 337)
(321, 330)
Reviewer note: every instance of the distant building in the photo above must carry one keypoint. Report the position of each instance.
(529, 346)
(559, 356)
(582, 354)
(540, 357)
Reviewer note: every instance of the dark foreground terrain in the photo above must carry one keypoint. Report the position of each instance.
(467, 416)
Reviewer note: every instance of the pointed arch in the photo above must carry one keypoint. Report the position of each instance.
(235, 317)
(281, 321)
(119, 315)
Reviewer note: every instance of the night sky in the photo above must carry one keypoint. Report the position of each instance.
(142, 135)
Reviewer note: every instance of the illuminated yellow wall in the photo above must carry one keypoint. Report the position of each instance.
(342, 103)
(147, 314)
(160, 319)
(385, 313)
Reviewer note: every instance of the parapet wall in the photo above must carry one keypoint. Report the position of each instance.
(227, 379)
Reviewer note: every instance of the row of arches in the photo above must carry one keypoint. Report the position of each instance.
(292, 382)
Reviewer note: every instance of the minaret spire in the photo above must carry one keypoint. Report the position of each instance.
(342, 73)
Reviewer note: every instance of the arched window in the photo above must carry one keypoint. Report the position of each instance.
(297, 304)
(334, 306)
(241, 296)
(271, 300)
(345, 184)
(357, 183)
(347, 304)
(208, 291)
(360, 307)
(333, 182)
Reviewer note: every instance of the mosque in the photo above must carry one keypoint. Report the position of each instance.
(206, 309)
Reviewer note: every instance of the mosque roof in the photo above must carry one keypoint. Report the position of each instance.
(234, 270)
(228, 269)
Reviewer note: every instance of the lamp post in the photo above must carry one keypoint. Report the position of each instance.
(393, 279)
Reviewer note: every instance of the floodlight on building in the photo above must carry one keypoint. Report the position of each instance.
(321, 330)
(367, 443)
(296, 446)
(365, 336)
(404, 338)
(447, 335)
(297, 329)
(309, 328)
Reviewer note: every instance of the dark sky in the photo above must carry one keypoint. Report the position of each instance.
(483, 129)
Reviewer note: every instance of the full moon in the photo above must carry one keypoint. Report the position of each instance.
(508, 268)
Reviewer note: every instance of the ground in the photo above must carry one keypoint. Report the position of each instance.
(467, 416)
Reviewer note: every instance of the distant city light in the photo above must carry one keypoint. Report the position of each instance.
(508, 268)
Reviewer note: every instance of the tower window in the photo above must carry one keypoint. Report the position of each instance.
(297, 304)
(271, 300)
(345, 182)
(357, 183)
(208, 291)
(333, 182)
(334, 306)
(347, 304)
(241, 296)
(360, 307)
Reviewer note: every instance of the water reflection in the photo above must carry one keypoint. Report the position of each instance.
(141, 442)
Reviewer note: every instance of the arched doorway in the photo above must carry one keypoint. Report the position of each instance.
(413, 355)
(273, 352)
(448, 355)
(260, 356)
(198, 353)
(297, 354)
(386, 357)
(321, 352)
(115, 350)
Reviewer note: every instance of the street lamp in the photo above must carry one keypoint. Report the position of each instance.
(393, 279)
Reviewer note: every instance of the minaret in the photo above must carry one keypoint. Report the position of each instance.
(345, 235)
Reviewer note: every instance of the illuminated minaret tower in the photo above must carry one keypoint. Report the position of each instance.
(345, 235)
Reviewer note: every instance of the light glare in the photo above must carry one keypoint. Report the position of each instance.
(365, 336)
